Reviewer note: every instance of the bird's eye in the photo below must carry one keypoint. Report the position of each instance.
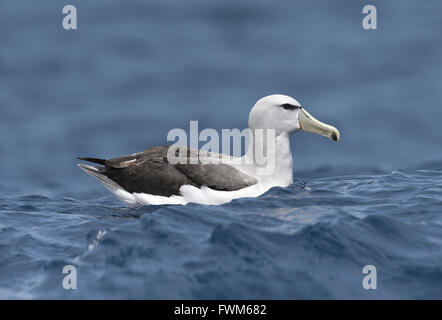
(288, 106)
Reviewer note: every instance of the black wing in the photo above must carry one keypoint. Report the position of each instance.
(150, 172)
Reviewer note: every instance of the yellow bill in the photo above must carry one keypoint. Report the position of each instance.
(308, 123)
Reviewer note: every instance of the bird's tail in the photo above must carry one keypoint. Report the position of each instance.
(97, 173)
(111, 185)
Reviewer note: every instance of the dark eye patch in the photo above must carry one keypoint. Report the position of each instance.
(288, 106)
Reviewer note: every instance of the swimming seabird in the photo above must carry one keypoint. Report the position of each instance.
(149, 177)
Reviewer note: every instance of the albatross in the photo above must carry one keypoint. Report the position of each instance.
(150, 178)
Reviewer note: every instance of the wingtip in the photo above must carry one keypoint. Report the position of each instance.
(93, 160)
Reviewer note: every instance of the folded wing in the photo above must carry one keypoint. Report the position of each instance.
(150, 172)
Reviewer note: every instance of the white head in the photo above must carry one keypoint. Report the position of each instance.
(286, 116)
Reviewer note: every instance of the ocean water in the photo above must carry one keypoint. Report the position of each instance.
(132, 72)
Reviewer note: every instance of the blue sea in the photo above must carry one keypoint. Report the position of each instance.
(134, 70)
